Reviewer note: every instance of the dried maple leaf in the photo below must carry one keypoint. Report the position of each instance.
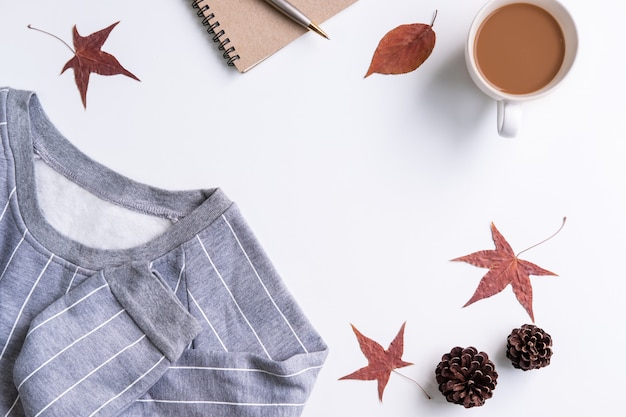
(403, 49)
(505, 268)
(90, 58)
(380, 361)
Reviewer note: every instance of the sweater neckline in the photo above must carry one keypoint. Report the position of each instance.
(31, 134)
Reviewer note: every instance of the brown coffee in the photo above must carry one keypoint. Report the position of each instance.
(519, 48)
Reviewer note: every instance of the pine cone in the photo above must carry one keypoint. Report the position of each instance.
(529, 347)
(466, 377)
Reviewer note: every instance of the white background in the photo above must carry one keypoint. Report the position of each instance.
(362, 190)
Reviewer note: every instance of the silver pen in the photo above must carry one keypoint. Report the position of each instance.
(297, 16)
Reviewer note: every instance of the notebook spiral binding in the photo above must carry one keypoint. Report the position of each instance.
(208, 19)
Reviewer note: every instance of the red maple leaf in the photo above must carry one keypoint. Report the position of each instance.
(380, 361)
(88, 58)
(504, 268)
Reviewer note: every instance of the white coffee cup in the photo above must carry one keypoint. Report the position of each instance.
(509, 106)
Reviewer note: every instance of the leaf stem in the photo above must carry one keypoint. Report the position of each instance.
(545, 240)
(54, 36)
(415, 382)
(434, 17)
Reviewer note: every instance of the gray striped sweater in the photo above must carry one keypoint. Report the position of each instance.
(193, 321)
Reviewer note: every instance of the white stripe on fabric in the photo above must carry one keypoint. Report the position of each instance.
(207, 320)
(19, 314)
(96, 369)
(263, 285)
(211, 368)
(66, 309)
(152, 400)
(70, 345)
(128, 387)
(69, 287)
(180, 274)
(6, 206)
(3, 123)
(12, 406)
(13, 254)
(233, 297)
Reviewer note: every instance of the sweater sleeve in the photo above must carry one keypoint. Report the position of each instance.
(257, 354)
(98, 348)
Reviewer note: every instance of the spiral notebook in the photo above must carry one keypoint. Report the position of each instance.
(249, 31)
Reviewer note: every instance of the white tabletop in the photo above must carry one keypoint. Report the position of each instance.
(362, 190)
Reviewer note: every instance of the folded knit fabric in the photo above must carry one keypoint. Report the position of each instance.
(195, 321)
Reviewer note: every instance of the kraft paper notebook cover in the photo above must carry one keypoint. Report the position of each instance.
(248, 31)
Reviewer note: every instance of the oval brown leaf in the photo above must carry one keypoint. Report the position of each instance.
(403, 49)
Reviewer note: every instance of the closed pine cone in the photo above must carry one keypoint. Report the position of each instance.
(466, 377)
(529, 347)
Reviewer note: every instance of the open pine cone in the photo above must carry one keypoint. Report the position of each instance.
(466, 376)
(529, 347)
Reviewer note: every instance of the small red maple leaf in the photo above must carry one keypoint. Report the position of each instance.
(89, 58)
(380, 361)
(505, 268)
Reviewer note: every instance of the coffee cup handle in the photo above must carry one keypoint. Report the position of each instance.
(509, 118)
